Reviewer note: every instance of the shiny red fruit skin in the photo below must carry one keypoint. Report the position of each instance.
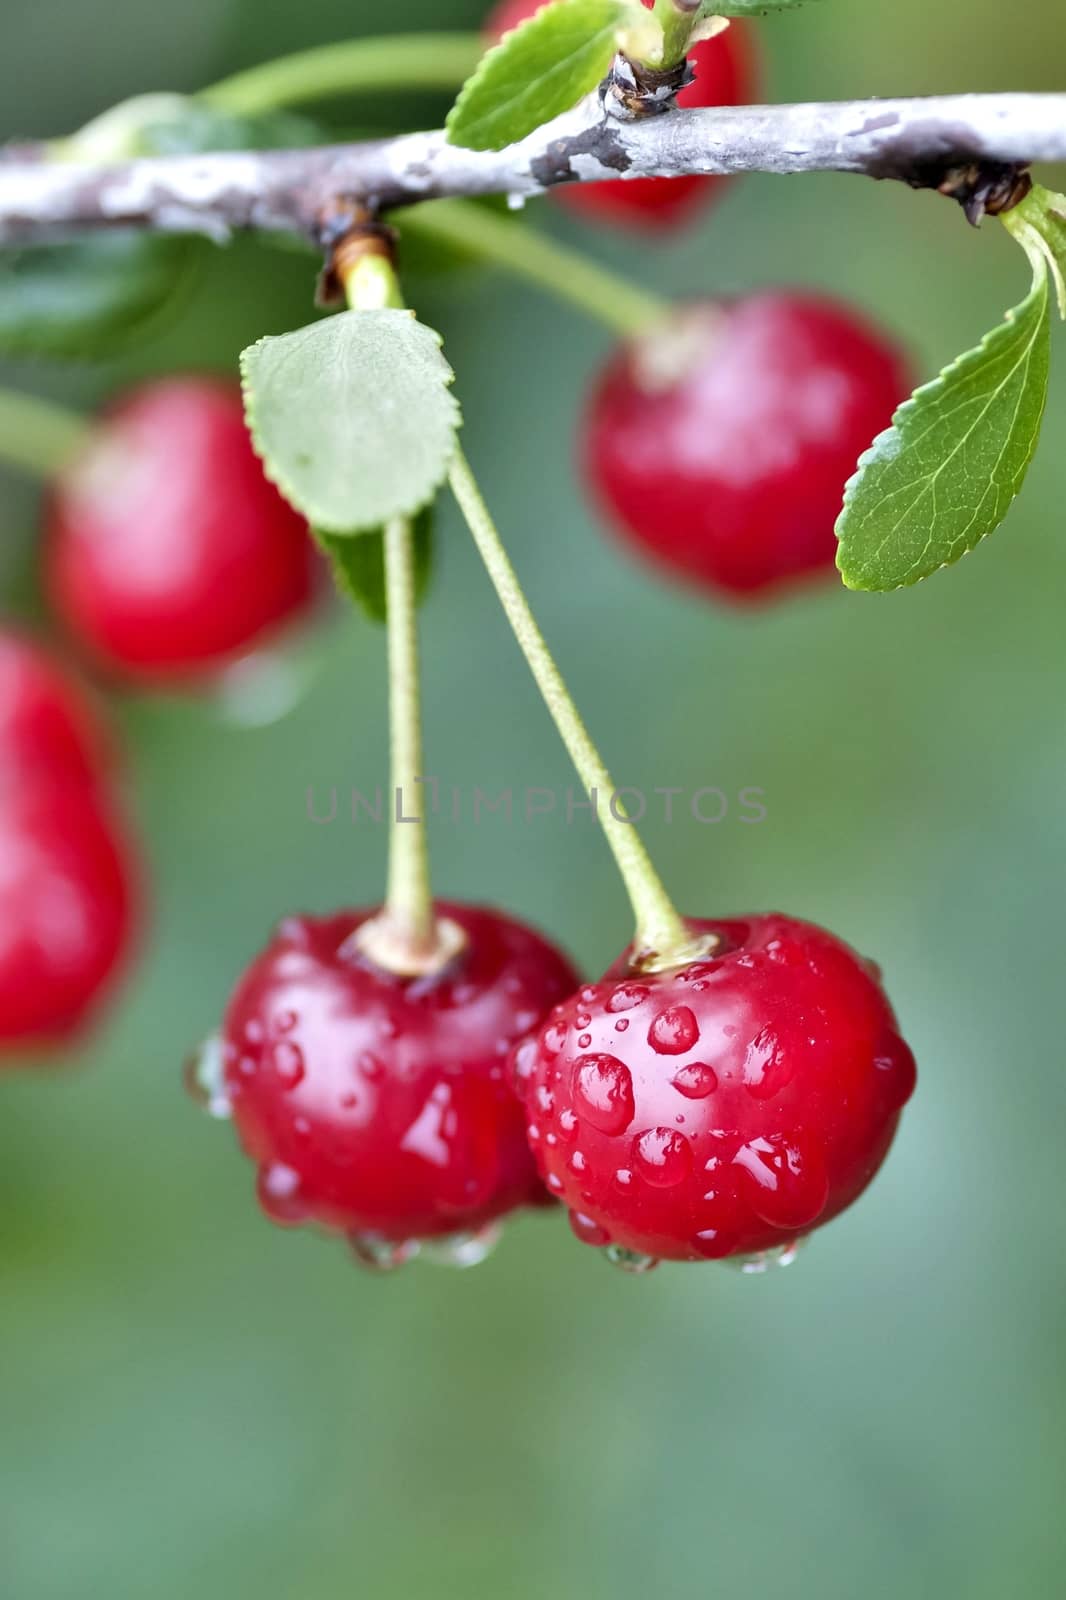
(726, 75)
(168, 552)
(67, 891)
(380, 1105)
(48, 730)
(722, 446)
(724, 1108)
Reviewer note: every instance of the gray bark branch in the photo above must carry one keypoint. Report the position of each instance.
(915, 140)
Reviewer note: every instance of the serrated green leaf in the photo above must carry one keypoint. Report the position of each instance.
(358, 564)
(90, 298)
(537, 71)
(944, 475)
(353, 417)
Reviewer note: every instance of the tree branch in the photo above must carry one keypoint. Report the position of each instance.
(918, 141)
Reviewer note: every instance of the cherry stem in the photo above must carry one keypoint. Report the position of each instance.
(39, 437)
(406, 938)
(409, 900)
(678, 18)
(355, 66)
(662, 938)
(529, 254)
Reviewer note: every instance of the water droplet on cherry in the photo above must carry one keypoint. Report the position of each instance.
(662, 1157)
(627, 997)
(768, 1066)
(288, 1063)
(674, 1031)
(603, 1092)
(588, 1231)
(278, 1188)
(785, 1179)
(695, 1081)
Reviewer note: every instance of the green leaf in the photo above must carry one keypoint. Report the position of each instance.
(358, 564)
(943, 476)
(178, 124)
(354, 417)
(200, 129)
(92, 297)
(537, 71)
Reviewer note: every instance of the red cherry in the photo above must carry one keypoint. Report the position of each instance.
(66, 893)
(724, 1108)
(169, 553)
(726, 75)
(380, 1106)
(722, 444)
(47, 728)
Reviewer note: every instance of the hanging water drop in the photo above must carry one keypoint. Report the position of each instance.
(463, 1250)
(205, 1079)
(629, 1260)
(382, 1255)
(762, 1261)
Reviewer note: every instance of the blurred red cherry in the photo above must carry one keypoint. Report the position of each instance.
(169, 553)
(48, 728)
(66, 910)
(720, 444)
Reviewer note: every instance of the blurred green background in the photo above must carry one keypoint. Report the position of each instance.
(192, 1402)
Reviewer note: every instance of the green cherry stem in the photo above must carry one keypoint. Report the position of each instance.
(355, 66)
(532, 255)
(662, 938)
(406, 938)
(409, 899)
(677, 19)
(37, 436)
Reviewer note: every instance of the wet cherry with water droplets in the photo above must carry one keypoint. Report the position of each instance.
(754, 1098)
(376, 1106)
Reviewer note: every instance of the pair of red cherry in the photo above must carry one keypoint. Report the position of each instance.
(67, 878)
(718, 1109)
(722, 1108)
